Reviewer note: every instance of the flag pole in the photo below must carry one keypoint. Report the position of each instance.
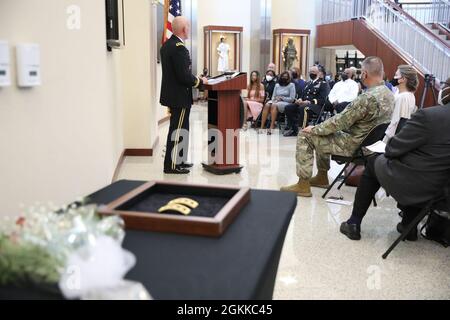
(166, 17)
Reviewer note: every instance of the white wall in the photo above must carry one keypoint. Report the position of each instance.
(139, 79)
(297, 14)
(62, 139)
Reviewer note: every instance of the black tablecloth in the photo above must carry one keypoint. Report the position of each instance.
(242, 264)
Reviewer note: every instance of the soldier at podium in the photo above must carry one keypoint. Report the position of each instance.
(176, 94)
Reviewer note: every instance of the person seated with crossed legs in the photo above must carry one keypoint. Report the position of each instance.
(310, 103)
(255, 98)
(283, 94)
(414, 170)
(343, 133)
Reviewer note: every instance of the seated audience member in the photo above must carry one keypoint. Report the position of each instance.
(299, 83)
(310, 103)
(343, 92)
(272, 66)
(337, 78)
(414, 169)
(406, 81)
(255, 98)
(283, 94)
(343, 133)
(388, 84)
(269, 83)
(330, 80)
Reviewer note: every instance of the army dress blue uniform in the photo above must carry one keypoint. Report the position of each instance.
(316, 92)
(176, 94)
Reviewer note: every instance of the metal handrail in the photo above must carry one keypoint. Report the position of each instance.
(436, 11)
(418, 23)
(423, 50)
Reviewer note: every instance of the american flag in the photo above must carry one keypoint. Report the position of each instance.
(173, 9)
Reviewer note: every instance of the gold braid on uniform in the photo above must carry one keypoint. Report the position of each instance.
(175, 149)
(197, 83)
(305, 117)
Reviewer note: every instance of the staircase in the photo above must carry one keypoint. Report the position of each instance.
(435, 11)
(441, 31)
(417, 31)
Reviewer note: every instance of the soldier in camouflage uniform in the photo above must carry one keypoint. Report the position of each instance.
(342, 134)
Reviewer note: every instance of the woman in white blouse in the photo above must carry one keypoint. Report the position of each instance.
(406, 80)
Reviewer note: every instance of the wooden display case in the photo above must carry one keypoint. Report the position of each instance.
(233, 38)
(300, 39)
(218, 207)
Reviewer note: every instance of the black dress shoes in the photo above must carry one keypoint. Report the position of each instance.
(186, 165)
(177, 170)
(412, 236)
(290, 133)
(352, 231)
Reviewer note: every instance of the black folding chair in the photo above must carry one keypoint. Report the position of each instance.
(319, 117)
(358, 157)
(401, 124)
(440, 201)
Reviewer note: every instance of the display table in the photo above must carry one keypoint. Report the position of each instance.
(242, 264)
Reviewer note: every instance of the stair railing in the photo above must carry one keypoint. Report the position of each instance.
(425, 51)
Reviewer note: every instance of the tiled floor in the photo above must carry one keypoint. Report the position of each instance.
(317, 261)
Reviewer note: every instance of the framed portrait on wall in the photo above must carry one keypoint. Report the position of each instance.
(222, 49)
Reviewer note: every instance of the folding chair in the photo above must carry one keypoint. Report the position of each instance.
(358, 157)
(401, 124)
(443, 198)
(319, 117)
(281, 121)
(316, 118)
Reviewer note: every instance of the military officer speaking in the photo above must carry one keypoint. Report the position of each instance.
(314, 97)
(176, 94)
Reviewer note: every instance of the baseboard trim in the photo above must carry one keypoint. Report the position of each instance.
(138, 152)
(133, 153)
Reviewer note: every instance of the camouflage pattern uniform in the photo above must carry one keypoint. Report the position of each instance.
(343, 133)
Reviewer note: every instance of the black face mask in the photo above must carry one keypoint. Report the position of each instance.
(284, 81)
(344, 77)
(313, 76)
(394, 82)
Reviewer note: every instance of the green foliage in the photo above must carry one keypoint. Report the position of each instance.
(24, 263)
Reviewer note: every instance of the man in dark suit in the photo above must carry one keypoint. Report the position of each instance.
(414, 169)
(176, 94)
(312, 100)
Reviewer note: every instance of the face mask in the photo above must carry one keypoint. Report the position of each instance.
(294, 75)
(344, 77)
(394, 82)
(269, 78)
(328, 78)
(313, 76)
(284, 81)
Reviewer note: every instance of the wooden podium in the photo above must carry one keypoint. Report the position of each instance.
(224, 113)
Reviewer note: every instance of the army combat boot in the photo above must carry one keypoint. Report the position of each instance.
(321, 180)
(302, 188)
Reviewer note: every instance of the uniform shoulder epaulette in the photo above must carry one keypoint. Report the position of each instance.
(180, 44)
